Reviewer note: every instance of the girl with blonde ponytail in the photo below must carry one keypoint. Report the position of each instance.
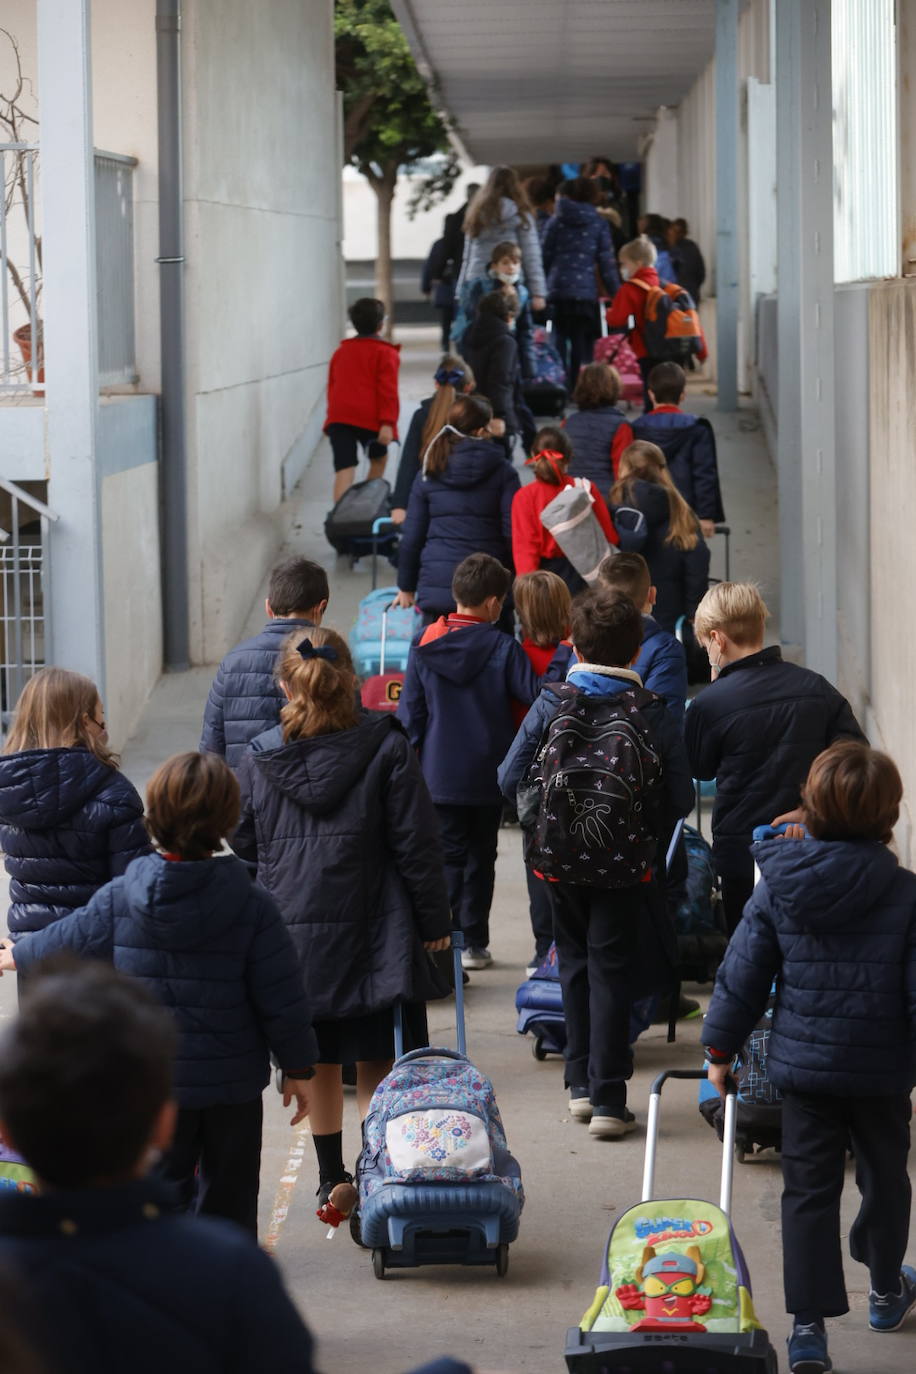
(453, 378)
(338, 823)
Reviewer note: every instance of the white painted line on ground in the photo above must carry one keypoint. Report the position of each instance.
(286, 1188)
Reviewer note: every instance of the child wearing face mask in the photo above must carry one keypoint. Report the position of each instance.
(503, 274)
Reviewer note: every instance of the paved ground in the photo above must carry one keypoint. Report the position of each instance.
(575, 1186)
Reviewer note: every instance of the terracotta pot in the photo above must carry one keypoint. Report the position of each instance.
(22, 337)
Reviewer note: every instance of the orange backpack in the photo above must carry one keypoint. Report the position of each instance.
(671, 329)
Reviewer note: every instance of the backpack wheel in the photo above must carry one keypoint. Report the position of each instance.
(740, 1154)
(356, 1230)
(378, 1263)
(537, 1049)
(502, 1260)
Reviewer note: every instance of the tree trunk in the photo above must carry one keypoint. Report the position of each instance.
(384, 187)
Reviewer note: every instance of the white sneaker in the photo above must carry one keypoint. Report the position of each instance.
(580, 1104)
(475, 957)
(609, 1124)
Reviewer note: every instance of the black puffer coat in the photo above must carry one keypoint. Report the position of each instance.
(681, 576)
(343, 833)
(68, 825)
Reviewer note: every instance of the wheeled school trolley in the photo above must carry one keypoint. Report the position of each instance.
(674, 1292)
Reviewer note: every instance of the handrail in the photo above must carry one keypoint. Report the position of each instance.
(39, 507)
(117, 157)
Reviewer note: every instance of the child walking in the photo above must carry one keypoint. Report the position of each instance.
(338, 822)
(652, 518)
(209, 945)
(363, 401)
(453, 378)
(833, 920)
(687, 441)
(69, 820)
(597, 428)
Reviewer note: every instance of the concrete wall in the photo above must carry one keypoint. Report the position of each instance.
(853, 385)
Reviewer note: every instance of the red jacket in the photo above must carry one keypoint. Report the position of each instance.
(531, 542)
(363, 384)
(624, 435)
(631, 300)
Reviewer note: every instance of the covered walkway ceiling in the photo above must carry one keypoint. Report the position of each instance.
(531, 81)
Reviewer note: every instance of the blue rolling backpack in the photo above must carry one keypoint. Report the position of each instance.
(381, 637)
(437, 1183)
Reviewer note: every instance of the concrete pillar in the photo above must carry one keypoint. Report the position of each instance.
(71, 350)
(727, 134)
(806, 420)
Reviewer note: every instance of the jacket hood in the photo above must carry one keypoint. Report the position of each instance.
(42, 788)
(652, 500)
(471, 462)
(461, 655)
(575, 212)
(484, 330)
(318, 773)
(650, 628)
(824, 884)
(183, 905)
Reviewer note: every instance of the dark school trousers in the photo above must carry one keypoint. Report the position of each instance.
(816, 1132)
(596, 931)
(470, 837)
(223, 1145)
(541, 912)
(736, 893)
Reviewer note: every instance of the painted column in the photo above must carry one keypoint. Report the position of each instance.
(70, 336)
(727, 133)
(806, 421)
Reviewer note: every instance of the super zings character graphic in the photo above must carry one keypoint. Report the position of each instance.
(667, 1287)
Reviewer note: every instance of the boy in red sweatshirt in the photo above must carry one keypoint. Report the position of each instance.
(362, 396)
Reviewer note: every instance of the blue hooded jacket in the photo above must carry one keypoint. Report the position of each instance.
(575, 242)
(244, 698)
(465, 509)
(834, 922)
(662, 665)
(211, 946)
(689, 445)
(68, 825)
(456, 705)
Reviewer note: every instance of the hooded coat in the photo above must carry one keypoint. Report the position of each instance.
(465, 509)
(211, 946)
(456, 705)
(490, 348)
(68, 824)
(345, 840)
(834, 922)
(575, 242)
(689, 445)
(681, 576)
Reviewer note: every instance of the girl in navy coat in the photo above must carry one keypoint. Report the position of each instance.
(337, 820)
(833, 920)
(577, 248)
(460, 503)
(69, 820)
(652, 518)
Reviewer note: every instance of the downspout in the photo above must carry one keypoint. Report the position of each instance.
(173, 462)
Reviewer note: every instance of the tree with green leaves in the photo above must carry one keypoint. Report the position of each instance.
(390, 120)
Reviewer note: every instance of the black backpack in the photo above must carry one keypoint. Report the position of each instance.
(590, 801)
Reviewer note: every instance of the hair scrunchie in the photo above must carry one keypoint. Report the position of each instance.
(307, 650)
(455, 376)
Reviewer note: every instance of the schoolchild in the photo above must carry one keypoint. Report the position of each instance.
(111, 1277)
(457, 707)
(661, 664)
(833, 922)
(544, 607)
(652, 518)
(627, 311)
(208, 944)
(687, 441)
(597, 428)
(502, 213)
(69, 820)
(460, 504)
(503, 274)
(491, 349)
(533, 546)
(363, 401)
(606, 936)
(756, 729)
(244, 699)
(337, 822)
(453, 378)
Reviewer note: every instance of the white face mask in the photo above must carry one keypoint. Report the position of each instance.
(507, 278)
(626, 273)
(511, 324)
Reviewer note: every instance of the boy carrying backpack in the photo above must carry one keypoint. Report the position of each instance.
(600, 777)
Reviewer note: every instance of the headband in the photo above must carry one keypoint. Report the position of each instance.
(455, 376)
(307, 650)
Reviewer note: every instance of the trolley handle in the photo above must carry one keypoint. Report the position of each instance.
(377, 527)
(728, 1134)
(771, 832)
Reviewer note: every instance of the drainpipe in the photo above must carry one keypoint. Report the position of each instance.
(173, 464)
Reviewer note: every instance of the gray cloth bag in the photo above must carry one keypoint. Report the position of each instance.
(569, 517)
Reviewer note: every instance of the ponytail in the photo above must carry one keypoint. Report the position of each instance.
(645, 462)
(466, 416)
(452, 377)
(317, 671)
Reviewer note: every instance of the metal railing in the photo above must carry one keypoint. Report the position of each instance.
(20, 268)
(24, 614)
(114, 256)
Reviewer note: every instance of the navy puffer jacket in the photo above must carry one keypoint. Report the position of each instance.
(344, 837)
(835, 924)
(244, 698)
(68, 825)
(681, 576)
(465, 509)
(591, 433)
(210, 946)
(575, 242)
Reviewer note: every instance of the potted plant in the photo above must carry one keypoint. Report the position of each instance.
(17, 128)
